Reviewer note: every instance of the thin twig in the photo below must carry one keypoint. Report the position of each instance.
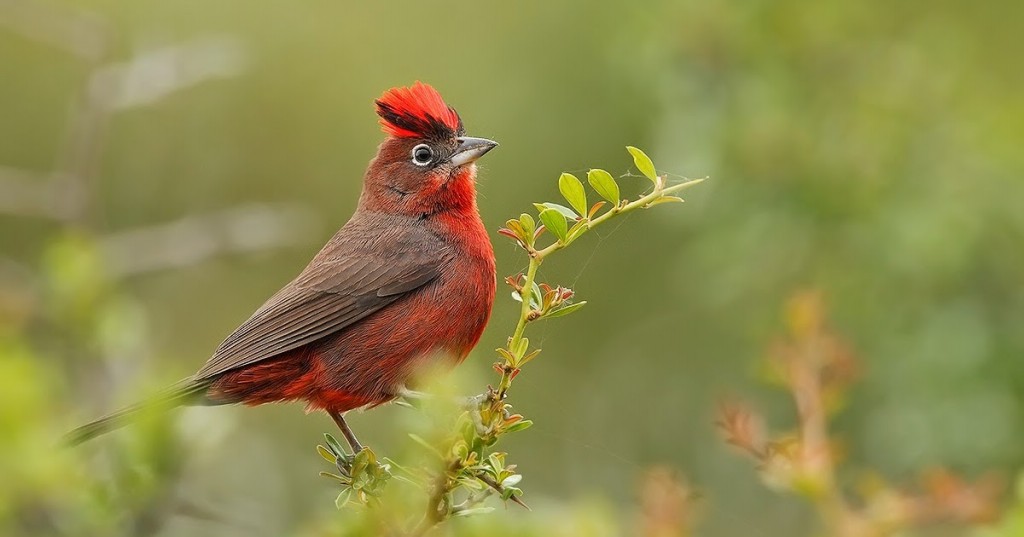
(196, 238)
(78, 33)
(29, 194)
(500, 489)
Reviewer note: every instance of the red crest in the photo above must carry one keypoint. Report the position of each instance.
(417, 111)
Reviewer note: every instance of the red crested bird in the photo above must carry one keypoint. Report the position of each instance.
(408, 278)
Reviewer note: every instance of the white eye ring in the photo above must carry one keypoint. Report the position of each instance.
(422, 155)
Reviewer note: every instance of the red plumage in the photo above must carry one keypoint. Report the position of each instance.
(408, 279)
(416, 111)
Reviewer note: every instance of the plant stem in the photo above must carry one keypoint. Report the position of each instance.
(537, 257)
(436, 509)
(526, 294)
(644, 201)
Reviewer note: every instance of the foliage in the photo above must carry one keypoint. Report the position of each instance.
(816, 366)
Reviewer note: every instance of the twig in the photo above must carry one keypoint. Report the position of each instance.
(517, 344)
(490, 482)
(79, 33)
(196, 238)
(28, 194)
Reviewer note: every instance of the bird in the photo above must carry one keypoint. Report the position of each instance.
(407, 282)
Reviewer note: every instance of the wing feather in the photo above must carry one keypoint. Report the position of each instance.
(348, 280)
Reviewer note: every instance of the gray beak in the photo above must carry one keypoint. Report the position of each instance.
(470, 149)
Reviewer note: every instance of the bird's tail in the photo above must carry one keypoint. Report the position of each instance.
(185, 392)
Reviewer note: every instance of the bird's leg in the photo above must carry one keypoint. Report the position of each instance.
(353, 442)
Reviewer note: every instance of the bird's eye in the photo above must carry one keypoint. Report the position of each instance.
(422, 155)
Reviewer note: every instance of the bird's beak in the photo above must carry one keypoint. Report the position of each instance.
(470, 149)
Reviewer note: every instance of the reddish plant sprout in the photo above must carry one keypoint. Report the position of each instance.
(816, 366)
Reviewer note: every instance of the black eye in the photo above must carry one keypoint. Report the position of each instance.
(422, 155)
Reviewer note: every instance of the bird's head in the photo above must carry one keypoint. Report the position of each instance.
(426, 164)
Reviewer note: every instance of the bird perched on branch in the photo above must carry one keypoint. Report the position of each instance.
(408, 278)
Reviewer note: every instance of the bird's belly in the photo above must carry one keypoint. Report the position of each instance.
(369, 362)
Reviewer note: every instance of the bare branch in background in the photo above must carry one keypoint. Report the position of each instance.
(667, 504)
(194, 239)
(155, 74)
(143, 80)
(24, 193)
(148, 77)
(78, 33)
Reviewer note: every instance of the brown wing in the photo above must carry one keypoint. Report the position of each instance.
(351, 278)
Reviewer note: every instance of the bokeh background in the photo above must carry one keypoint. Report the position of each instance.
(166, 166)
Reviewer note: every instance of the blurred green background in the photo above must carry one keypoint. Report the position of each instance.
(871, 150)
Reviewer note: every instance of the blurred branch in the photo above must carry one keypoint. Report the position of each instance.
(667, 505)
(24, 193)
(152, 75)
(142, 80)
(75, 32)
(196, 238)
(816, 366)
(146, 78)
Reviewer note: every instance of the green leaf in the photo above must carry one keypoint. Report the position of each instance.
(519, 426)
(511, 480)
(497, 461)
(577, 229)
(529, 226)
(524, 344)
(525, 359)
(554, 221)
(605, 185)
(343, 480)
(510, 492)
(573, 192)
(535, 296)
(566, 310)
(568, 213)
(343, 498)
(505, 353)
(326, 454)
(643, 163)
(335, 447)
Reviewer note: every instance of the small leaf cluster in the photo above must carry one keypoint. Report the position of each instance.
(362, 477)
(546, 302)
(568, 223)
(475, 470)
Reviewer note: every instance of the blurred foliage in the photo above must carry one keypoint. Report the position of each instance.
(816, 366)
(868, 149)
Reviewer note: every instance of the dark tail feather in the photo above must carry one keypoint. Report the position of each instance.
(182, 393)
